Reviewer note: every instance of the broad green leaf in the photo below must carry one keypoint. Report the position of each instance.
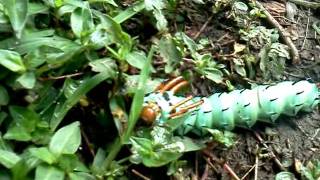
(81, 176)
(11, 60)
(44, 172)
(82, 21)
(129, 12)
(27, 80)
(23, 124)
(192, 46)
(25, 165)
(214, 74)
(169, 52)
(8, 159)
(150, 156)
(154, 4)
(61, 110)
(17, 11)
(4, 96)
(137, 59)
(97, 165)
(104, 65)
(106, 1)
(36, 8)
(43, 154)
(3, 116)
(66, 140)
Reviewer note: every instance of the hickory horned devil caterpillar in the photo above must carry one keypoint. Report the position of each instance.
(241, 108)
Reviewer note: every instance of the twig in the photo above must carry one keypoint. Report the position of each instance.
(248, 172)
(307, 4)
(140, 175)
(196, 166)
(306, 34)
(274, 157)
(60, 77)
(256, 168)
(284, 35)
(232, 173)
(205, 173)
(203, 27)
(87, 142)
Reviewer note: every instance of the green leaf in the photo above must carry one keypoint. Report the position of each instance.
(43, 154)
(23, 124)
(170, 54)
(4, 96)
(8, 159)
(137, 59)
(154, 4)
(104, 65)
(44, 172)
(137, 102)
(3, 116)
(226, 138)
(214, 75)
(88, 84)
(36, 8)
(129, 12)
(27, 80)
(11, 60)
(81, 176)
(17, 11)
(66, 140)
(82, 21)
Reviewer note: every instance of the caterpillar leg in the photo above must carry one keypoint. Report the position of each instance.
(173, 108)
(174, 85)
(186, 109)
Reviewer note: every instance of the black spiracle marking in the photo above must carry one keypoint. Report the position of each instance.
(299, 92)
(225, 109)
(166, 96)
(246, 105)
(268, 86)
(297, 105)
(273, 99)
(242, 91)
(295, 82)
(220, 94)
(207, 111)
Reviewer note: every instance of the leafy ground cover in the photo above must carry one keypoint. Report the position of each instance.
(74, 73)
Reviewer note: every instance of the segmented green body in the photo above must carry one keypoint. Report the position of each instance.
(242, 108)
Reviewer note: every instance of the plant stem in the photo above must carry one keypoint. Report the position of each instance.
(134, 113)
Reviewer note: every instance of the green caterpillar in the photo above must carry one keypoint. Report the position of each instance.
(238, 108)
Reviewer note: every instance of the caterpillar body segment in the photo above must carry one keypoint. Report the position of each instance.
(238, 108)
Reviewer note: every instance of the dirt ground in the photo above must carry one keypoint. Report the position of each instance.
(291, 139)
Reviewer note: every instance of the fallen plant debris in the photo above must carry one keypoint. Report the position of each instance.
(75, 74)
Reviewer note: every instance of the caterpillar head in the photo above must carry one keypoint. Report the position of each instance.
(157, 106)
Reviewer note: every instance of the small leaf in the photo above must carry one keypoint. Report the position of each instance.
(170, 54)
(66, 140)
(8, 159)
(104, 65)
(27, 80)
(136, 59)
(17, 11)
(44, 172)
(82, 21)
(4, 96)
(23, 124)
(238, 47)
(43, 154)
(11, 60)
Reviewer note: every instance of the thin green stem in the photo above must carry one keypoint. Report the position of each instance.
(134, 112)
